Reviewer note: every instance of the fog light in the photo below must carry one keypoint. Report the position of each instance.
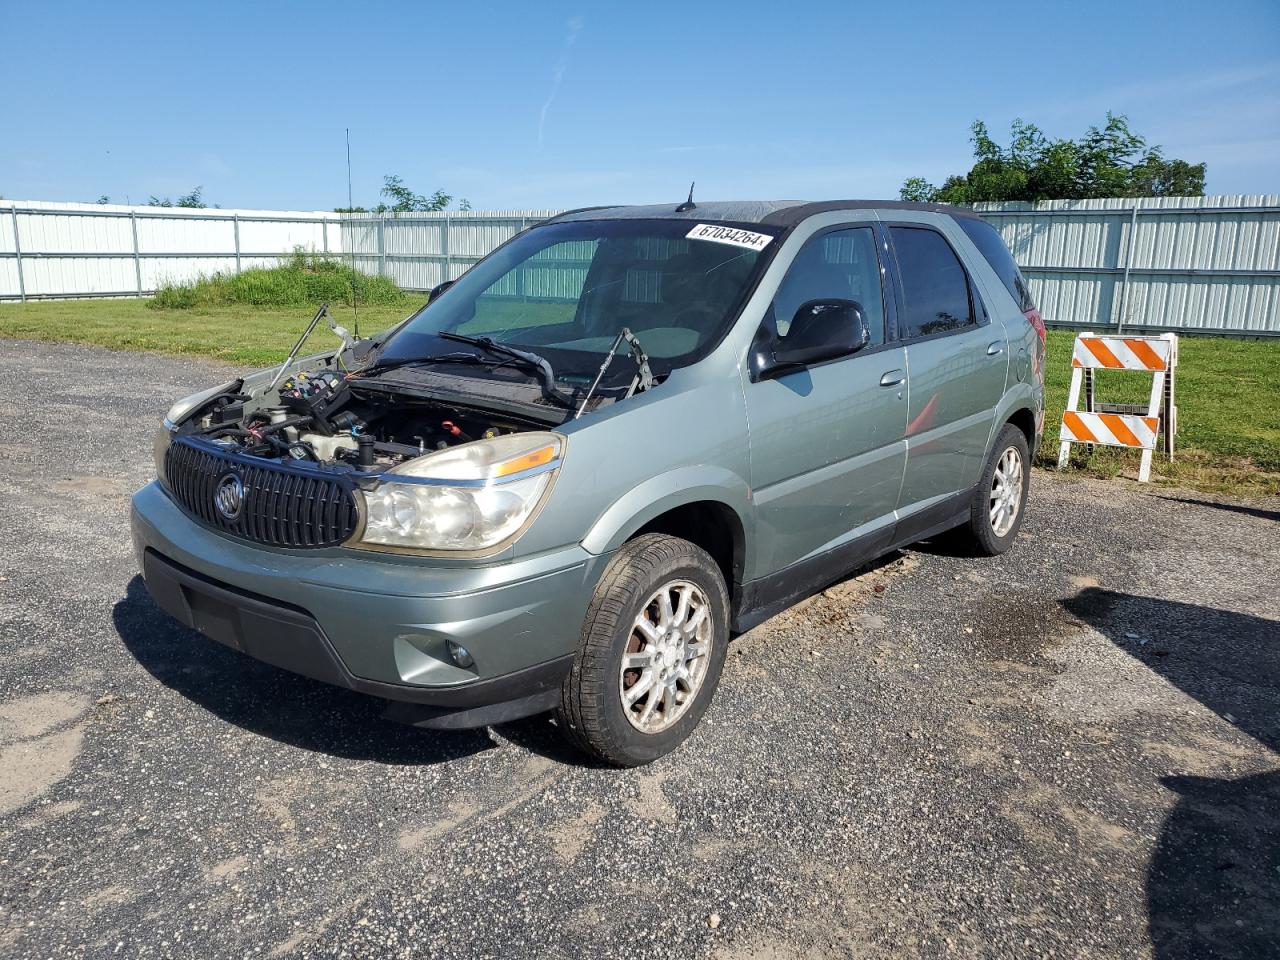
(461, 655)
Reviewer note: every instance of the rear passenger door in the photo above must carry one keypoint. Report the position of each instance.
(956, 367)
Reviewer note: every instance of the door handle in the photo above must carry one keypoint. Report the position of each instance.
(995, 348)
(892, 378)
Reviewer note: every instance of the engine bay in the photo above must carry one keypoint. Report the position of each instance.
(324, 416)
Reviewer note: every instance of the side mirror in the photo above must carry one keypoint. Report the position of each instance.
(821, 330)
(438, 289)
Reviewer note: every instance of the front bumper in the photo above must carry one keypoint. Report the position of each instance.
(376, 624)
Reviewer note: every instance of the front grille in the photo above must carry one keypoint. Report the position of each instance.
(282, 506)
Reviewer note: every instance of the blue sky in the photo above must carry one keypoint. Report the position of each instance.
(556, 105)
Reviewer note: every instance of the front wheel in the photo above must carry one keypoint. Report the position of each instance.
(995, 515)
(653, 645)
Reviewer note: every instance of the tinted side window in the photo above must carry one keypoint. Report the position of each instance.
(934, 284)
(988, 240)
(840, 265)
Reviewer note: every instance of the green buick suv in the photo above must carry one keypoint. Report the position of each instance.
(625, 435)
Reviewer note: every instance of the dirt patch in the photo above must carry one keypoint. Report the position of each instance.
(227, 868)
(274, 799)
(1094, 829)
(114, 895)
(29, 769)
(36, 755)
(759, 949)
(651, 803)
(418, 837)
(34, 715)
(570, 837)
(1197, 755)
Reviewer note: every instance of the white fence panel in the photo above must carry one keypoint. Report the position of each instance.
(1159, 263)
(84, 249)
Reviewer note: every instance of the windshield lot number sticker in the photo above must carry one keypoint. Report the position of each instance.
(729, 235)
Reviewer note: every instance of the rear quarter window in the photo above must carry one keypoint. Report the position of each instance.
(988, 241)
(934, 283)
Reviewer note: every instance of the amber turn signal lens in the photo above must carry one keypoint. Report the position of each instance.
(536, 458)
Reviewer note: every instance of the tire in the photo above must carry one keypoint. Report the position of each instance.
(990, 537)
(592, 711)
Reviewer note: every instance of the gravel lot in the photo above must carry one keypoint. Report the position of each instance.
(1068, 751)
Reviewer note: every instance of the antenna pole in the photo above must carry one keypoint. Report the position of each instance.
(688, 204)
(355, 313)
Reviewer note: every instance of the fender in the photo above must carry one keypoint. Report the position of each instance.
(664, 492)
(1020, 396)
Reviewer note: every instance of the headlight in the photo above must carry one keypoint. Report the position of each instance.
(183, 408)
(465, 499)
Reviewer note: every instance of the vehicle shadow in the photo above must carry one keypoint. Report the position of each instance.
(274, 703)
(956, 542)
(539, 735)
(1259, 512)
(1213, 884)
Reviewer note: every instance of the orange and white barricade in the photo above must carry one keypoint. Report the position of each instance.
(1122, 425)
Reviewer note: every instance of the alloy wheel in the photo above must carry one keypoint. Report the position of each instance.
(666, 656)
(1006, 492)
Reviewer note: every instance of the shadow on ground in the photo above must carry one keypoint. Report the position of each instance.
(1259, 512)
(1213, 886)
(274, 703)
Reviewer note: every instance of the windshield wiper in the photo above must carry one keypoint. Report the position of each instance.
(643, 380)
(382, 366)
(539, 363)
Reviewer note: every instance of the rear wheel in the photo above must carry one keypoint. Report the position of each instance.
(652, 649)
(995, 515)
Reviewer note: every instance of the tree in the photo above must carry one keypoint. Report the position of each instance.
(194, 200)
(1109, 162)
(404, 200)
(917, 190)
(400, 199)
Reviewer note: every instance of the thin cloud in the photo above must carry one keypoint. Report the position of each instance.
(574, 27)
(1176, 90)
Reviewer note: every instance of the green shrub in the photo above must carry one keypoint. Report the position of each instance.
(306, 279)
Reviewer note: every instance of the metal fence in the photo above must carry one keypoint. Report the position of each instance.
(422, 249)
(61, 250)
(1188, 264)
(70, 250)
(1208, 264)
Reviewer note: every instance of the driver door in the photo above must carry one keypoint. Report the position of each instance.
(827, 441)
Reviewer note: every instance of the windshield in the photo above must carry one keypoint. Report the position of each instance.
(564, 290)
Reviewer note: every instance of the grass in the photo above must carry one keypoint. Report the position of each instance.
(304, 279)
(245, 336)
(1228, 390)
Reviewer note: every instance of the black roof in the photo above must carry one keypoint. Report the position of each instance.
(781, 213)
(790, 216)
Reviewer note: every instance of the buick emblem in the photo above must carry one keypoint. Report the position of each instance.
(228, 497)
